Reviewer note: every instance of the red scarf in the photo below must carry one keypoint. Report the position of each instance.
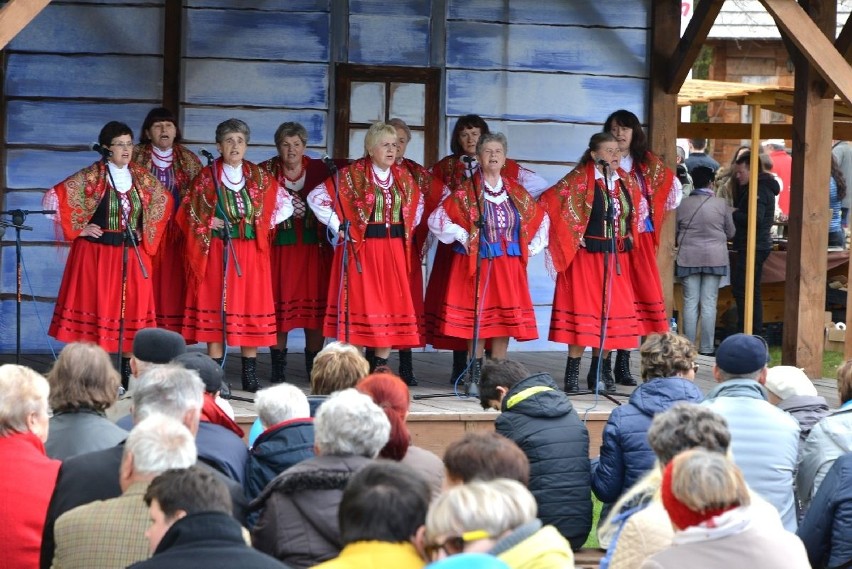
(212, 413)
(679, 513)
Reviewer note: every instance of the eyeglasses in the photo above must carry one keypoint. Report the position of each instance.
(123, 144)
(455, 544)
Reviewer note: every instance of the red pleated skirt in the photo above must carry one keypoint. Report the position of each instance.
(169, 280)
(300, 274)
(88, 308)
(250, 312)
(647, 288)
(505, 304)
(436, 292)
(382, 312)
(576, 315)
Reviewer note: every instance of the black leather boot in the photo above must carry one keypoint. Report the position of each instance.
(309, 361)
(459, 365)
(592, 377)
(250, 383)
(370, 356)
(622, 368)
(379, 363)
(608, 379)
(279, 365)
(572, 375)
(125, 373)
(406, 368)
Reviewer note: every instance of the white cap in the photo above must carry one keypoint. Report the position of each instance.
(787, 381)
(774, 142)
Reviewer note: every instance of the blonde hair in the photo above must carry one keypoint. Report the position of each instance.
(493, 506)
(22, 393)
(703, 480)
(337, 366)
(83, 377)
(375, 133)
(844, 381)
(666, 355)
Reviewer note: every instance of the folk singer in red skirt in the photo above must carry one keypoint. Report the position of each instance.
(300, 254)
(579, 236)
(89, 213)
(159, 151)
(515, 227)
(383, 202)
(250, 199)
(660, 192)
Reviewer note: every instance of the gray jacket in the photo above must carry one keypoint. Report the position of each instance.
(703, 241)
(830, 439)
(764, 442)
(81, 432)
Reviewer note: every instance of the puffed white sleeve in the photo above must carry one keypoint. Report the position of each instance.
(532, 182)
(320, 203)
(283, 206)
(418, 214)
(675, 195)
(50, 202)
(444, 229)
(540, 239)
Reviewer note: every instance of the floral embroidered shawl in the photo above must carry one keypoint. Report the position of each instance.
(186, 164)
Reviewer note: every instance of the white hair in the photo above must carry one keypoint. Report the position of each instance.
(159, 443)
(23, 392)
(281, 403)
(170, 390)
(348, 422)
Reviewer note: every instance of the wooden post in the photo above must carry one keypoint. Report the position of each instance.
(15, 16)
(662, 120)
(751, 235)
(809, 212)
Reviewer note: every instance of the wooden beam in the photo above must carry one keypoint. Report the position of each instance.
(804, 289)
(15, 16)
(843, 44)
(720, 131)
(814, 45)
(689, 46)
(662, 118)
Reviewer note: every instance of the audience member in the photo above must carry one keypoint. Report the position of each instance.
(391, 394)
(287, 439)
(764, 439)
(298, 520)
(216, 409)
(781, 166)
(539, 417)
(170, 390)
(668, 370)
(484, 456)
(789, 389)
(383, 508)
(707, 501)
(111, 533)
(338, 366)
(828, 440)
(698, 156)
(83, 384)
(27, 475)
(192, 527)
(827, 525)
(496, 517)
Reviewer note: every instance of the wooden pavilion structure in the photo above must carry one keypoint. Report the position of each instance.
(823, 75)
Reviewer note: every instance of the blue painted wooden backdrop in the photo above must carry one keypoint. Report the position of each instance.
(544, 72)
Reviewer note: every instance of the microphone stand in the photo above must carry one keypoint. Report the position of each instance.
(228, 251)
(18, 218)
(129, 236)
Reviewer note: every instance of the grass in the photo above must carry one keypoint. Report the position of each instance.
(592, 540)
(830, 361)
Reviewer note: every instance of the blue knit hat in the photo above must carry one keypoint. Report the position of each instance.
(742, 354)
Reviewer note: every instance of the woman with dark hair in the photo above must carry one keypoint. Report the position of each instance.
(91, 212)
(452, 171)
(579, 206)
(767, 190)
(159, 151)
(659, 193)
(836, 193)
(391, 394)
(300, 254)
(83, 384)
(514, 228)
(253, 204)
(384, 204)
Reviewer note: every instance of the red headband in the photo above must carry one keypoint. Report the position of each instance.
(679, 513)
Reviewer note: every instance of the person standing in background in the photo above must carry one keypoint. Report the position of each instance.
(842, 152)
(781, 165)
(698, 156)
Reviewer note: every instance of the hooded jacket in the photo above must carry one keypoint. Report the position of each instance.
(829, 439)
(540, 419)
(625, 453)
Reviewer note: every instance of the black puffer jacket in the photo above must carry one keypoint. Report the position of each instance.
(298, 522)
(827, 526)
(539, 417)
(767, 189)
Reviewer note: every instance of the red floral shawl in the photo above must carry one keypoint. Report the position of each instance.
(569, 205)
(658, 181)
(432, 189)
(78, 197)
(461, 208)
(198, 209)
(357, 196)
(186, 164)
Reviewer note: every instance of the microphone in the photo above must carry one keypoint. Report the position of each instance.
(603, 163)
(467, 160)
(102, 150)
(329, 163)
(206, 154)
